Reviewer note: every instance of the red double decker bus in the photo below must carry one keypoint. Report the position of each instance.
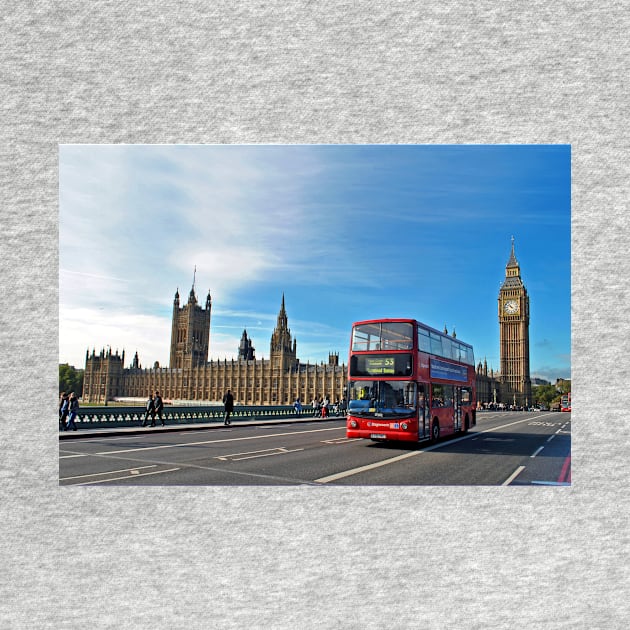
(408, 381)
(565, 402)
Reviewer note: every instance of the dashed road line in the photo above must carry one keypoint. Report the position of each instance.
(131, 476)
(108, 472)
(268, 452)
(513, 476)
(224, 441)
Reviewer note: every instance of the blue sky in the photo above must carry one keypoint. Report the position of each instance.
(346, 232)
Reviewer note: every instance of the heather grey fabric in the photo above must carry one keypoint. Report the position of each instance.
(326, 72)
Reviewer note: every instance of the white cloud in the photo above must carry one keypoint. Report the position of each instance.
(148, 215)
(83, 329)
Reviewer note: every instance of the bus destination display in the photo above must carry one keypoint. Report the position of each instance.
(380, 365)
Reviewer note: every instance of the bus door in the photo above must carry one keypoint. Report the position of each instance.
(423, 429)
(457, 402)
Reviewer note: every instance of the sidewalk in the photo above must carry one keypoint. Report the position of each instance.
(183, 426)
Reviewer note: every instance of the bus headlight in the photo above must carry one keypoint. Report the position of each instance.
(353, 424)
(404, 426)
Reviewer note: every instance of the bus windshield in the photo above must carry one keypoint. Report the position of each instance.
(381, 398)
(382, 336)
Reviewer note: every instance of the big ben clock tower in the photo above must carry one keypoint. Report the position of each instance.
(516, 385)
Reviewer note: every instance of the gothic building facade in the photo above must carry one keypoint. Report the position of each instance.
(278, 380)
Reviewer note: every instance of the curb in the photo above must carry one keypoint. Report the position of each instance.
(169, 428)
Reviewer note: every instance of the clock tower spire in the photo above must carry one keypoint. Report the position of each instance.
(516, 386)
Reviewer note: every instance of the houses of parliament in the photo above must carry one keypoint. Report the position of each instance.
(281, 378)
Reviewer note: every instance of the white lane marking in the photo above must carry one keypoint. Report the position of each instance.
(157, 472)
(281, 451)
(341, 440)
(355, 471)
(71, 456)
(540, 448)
(109, 472)
(513, 476)
(551, 437)
(235, 457)
(186, 444)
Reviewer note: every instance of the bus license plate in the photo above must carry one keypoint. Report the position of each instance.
(378, 436)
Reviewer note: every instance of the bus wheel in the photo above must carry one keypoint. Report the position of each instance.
(435, 430)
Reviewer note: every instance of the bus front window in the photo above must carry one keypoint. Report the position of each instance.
(382, 336)
(381, 398)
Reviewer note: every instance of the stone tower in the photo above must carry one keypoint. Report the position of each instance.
(516, 386)
(104, 375)
(190, 334)
(282, 350)
(246, 350)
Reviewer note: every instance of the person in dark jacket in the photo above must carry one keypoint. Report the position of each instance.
(159, 408)
(228, 406)
(150, 411)
(64, 409)
(74, 410)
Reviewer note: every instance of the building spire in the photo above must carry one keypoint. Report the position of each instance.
(512, 262)
(192, 298)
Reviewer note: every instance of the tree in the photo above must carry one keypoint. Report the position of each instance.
(70, 379)
(547, 394)
(564, 386)
(544, 394)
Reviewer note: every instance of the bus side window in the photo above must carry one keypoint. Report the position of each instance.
(448, 395)
(421, 396)
(437, 396)
(465, 396)
(424, 344)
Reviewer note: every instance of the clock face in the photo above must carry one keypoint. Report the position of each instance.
(510, 307)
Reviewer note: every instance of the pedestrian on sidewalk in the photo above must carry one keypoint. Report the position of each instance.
(73, 403)
(297, 405)
(228, 407)
(325, 403)
(64, 408)
(150, 411)
(159, 408)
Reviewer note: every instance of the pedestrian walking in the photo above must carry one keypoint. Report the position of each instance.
(64, 408)
(297, 405)
(150, 411)
(342, 406)
(325, 403)
(228, 407)
(315, 406)
(73, 404)
(158, 403)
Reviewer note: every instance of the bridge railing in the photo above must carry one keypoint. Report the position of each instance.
(99, 417)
